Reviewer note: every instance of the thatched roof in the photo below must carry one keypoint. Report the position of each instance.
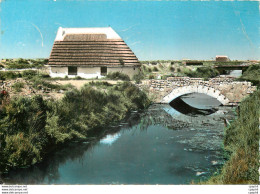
(91, 47)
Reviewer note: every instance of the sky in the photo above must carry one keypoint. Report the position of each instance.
(154, 30)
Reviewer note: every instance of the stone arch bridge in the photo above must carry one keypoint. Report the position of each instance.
(224, 89)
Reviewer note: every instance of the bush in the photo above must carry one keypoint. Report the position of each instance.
(118, 76)
(21, 151)
(29, 74)
(151, 77)
(252, 74)
(4, 75)
(172, 69)
(98, 83)
(203, 72)
(138, 77)
(242, 142)
(44, 75)
(22, 132)
(18, 86)
(25, 63)
(155, 69)
(78, 78)
(31, 127)
(164, 77)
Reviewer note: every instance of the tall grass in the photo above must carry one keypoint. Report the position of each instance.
(203, 72)
(24, 63)
(6, 75)
(242, 143)
(32, 127)
(118, 76)
(252, 74)
(18, 86)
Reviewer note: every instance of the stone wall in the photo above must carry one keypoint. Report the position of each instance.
(234, 91)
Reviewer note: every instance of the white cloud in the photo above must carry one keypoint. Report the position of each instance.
(134, 43)
(21, 44)
(129, 28)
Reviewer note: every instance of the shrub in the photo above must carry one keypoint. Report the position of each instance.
(78, 78)
(4, 75)
(118, 76)
(161, 66)
(138, 77)
(44, 75)
(242, 143)
(203, 72)
(164, 77)
(29, 74)
(30, 127)
(25, 63)
(172, 69)
(98, 83)
(252, 74)
(151, 77)
(21, 151)
(22, 132)
(155, 69)
(18, 86)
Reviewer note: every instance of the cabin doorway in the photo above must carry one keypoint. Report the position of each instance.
(72, 70)
(104, 71)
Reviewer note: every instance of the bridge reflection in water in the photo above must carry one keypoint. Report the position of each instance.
(195, 104)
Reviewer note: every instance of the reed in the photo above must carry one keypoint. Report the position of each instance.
(242, 145)
(32, 127)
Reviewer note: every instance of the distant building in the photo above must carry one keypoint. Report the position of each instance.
(221, 58)
(91, 53)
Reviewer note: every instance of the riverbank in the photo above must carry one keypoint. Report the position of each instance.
(153, 146)
(33, 127)
(242, 146)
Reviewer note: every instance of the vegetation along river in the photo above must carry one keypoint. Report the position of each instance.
(158, 146)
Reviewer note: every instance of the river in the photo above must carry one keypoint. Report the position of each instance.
(157, 146)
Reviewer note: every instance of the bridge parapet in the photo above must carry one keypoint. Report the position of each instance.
(225, 89)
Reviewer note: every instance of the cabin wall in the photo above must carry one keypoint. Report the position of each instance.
(89, 72)
(58, 71)
(130, 71)
(92, 72)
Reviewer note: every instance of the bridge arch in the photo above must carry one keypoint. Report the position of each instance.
(210, 91)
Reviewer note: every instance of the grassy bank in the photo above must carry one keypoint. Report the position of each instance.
(23, 63)
(242, 145)
(173, 69)
(252, 74)
(32, 127)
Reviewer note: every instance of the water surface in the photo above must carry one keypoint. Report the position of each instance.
(158, 146)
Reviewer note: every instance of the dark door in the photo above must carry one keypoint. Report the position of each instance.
(72, 70)
(104, 71)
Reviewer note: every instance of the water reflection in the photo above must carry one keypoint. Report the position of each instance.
(201, 101)
(143, 149)
(110, 139)
(184, 108)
